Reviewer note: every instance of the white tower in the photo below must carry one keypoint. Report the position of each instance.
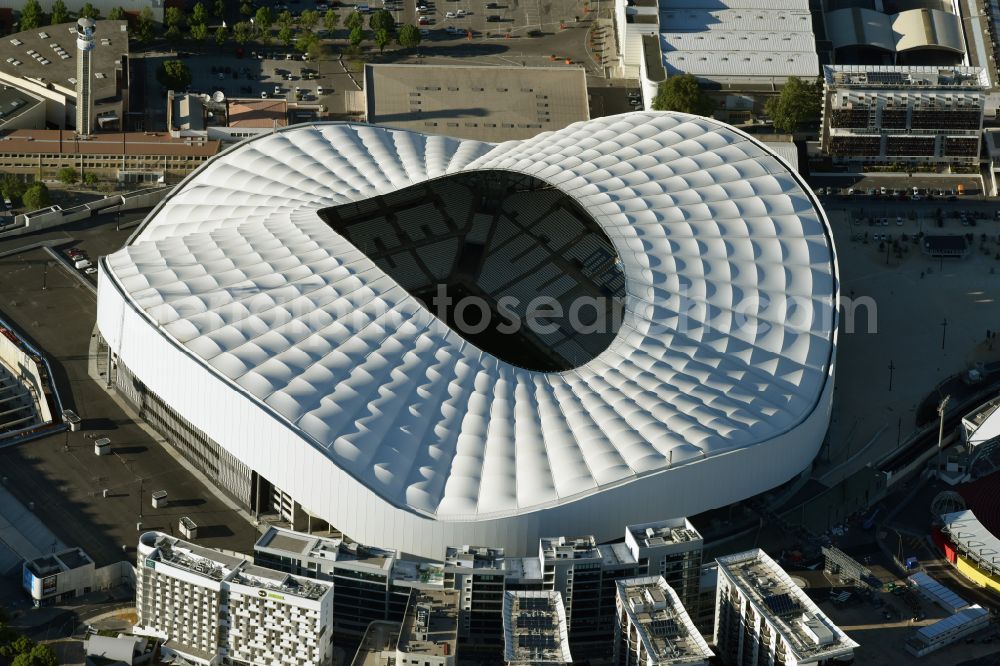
(85, 29)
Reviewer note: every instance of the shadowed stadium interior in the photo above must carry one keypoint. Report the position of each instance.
(506, 239)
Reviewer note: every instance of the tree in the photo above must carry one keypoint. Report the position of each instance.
(31, 15)
(409, 36)
(174, 75)
(308, 19)
(116, 14)
(68, 175)
(173, 34)
(382, 39)
(797, 103)
(220, 35)
(382, 20)
(246, 9)
(199, 14)
(330, 20)
(285, 18)
(286, 35)
(242, 32)
(199, 31)
(219, 9)
(144, 27)
(89, 11)
(682, 93)
(36, 196)
(59, 13)
(263, 19)
(40, 655)
(90, 179)
(173, 17)
(357, 36)
(307, 43)
(11, 187)
(20, 645)
(353, 21)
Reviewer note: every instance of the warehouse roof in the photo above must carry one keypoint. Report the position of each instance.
(743, 38)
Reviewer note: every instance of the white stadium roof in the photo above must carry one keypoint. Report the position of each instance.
(232, 300)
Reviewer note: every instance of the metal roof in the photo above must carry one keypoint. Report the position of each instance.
(770, 39)
(952, 622)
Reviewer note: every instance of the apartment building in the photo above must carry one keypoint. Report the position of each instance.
(211, 607)
(371, 583)
(429, 633)
(763, 618)
(672, 549)
(653, 628)
(534, 629)
(910, 116)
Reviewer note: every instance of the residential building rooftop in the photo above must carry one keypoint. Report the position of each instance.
(808, 632)
(661, 621)
(430, 625)
(534, 627)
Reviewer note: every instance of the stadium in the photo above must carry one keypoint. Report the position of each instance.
(340, 324)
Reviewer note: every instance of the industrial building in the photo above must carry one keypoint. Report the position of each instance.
(922, 36)
(278, 300)
(46, 63)
(211, 607)
(534, 629)
(653, 627)
(763, 618)
(475, 101)
(916, 116)
(736, 45)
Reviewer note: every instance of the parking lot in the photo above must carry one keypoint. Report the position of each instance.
(60, 473)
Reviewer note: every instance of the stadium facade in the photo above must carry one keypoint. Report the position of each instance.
(275, 318)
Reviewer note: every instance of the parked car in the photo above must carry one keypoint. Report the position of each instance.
(90, 271)
(81, 264)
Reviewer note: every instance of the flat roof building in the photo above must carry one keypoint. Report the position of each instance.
(654, 628)
(763, 618)
(210, 606)
(672, 549)
(476, 102)
(127, 157)
(909, 115)
(20, 109)
(534, 629)
(429, 634)
(43, 61)
(57, 577)
(944, 632)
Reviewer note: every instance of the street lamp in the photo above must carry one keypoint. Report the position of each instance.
(944, 330)
(892, 367)
(940, 410)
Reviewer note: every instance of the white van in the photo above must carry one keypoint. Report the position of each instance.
(81, 264)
